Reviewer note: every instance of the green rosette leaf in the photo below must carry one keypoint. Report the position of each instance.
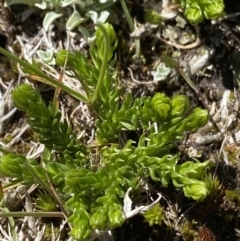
(194, 13)
(196, 10)
(214, 10)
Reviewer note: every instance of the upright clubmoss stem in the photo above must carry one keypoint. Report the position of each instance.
(131, 26)
(104, 62)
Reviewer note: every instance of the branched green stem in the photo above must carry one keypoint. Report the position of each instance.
(92, 195)
(104, 63)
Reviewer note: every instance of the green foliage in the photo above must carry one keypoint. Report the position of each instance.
(197, 10)
(213, 185)
(45, 202)
(233, 195)
(152, 17)
(154, 215)
(95, 78)
(14, 165)
(92, 189)
(188, 230)
(42, 118)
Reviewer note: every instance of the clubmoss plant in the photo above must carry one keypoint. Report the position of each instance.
(188, 230)
(155, 215)
(92, 191)
(45, 202)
